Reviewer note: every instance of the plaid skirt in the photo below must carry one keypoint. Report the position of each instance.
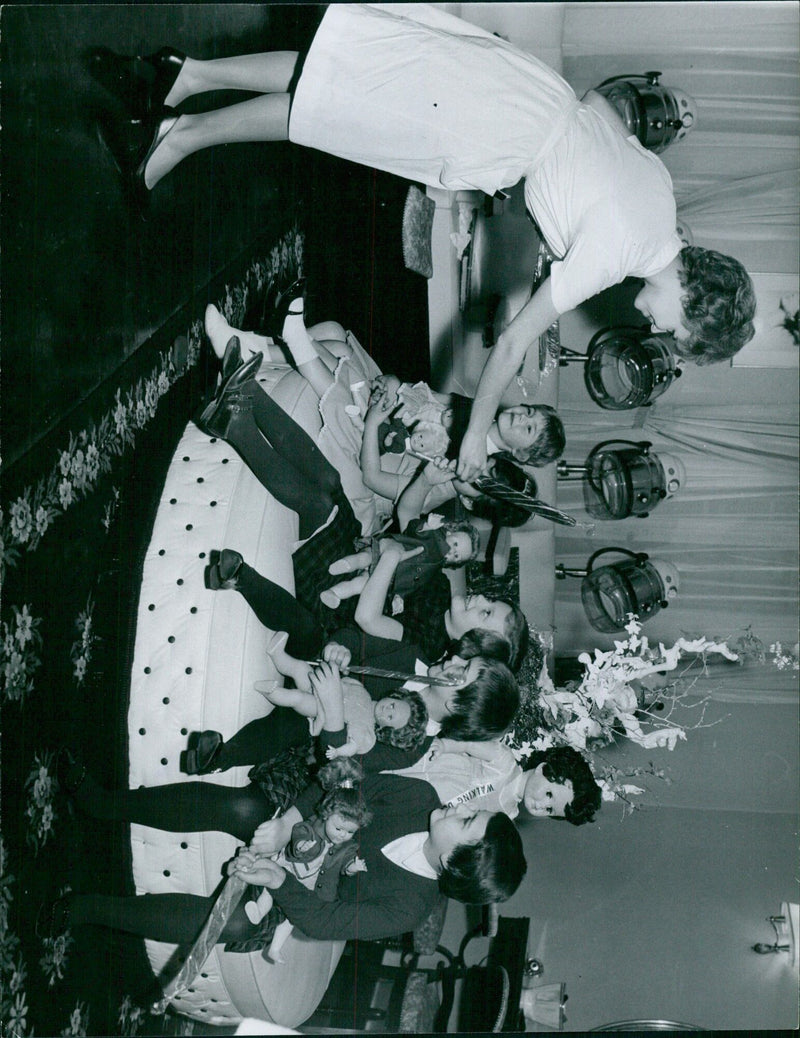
(423, 611)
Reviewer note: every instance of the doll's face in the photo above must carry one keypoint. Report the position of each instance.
(426, 441)
(392, 713)
(339, 829)
(459, 547)
(543, 798)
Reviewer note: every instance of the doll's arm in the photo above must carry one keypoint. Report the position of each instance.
(347, 749)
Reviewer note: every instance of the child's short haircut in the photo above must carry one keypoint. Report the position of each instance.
(550, 442)
(411, 735)
(462, 526)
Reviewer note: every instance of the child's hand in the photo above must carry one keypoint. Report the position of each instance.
(304, 845)
(332, 752)
(389, 546)
(439, 470)
(433, 521)
(388, 385)
(270, 836)
(256, 869)
(380, 407)
(356, 865)
(326, 684)
(337, 654)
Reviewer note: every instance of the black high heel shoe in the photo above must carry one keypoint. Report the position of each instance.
(141, 83)
(222, 571)
(278, 308)
(203, 750)
(232, 358)
(131, 144)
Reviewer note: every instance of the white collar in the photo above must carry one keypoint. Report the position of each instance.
(407, 852)
(432, 727)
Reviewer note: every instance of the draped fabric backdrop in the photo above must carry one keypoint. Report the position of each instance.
(732, 530)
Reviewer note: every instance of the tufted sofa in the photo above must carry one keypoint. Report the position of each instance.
(197, 654)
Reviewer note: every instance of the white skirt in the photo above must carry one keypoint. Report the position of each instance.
(411, 90)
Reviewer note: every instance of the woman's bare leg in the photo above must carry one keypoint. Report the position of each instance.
(219, 333)
(267, 73)
(264, 118)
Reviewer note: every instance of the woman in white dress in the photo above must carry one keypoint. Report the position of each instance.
(414, 91)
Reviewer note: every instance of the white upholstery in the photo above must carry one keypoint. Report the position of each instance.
(197, 655)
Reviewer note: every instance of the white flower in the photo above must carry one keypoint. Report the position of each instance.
(65, 494)
(42, 520)
(21, 520)
(92, 462)
(120, 418)
(24, 631)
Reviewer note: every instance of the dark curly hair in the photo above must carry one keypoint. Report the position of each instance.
(718, 305)
(562, 764)
(548, 445)
(488, 871)
(412, 734)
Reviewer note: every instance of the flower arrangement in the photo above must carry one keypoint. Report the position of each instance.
(750, 647)
(605, 705)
